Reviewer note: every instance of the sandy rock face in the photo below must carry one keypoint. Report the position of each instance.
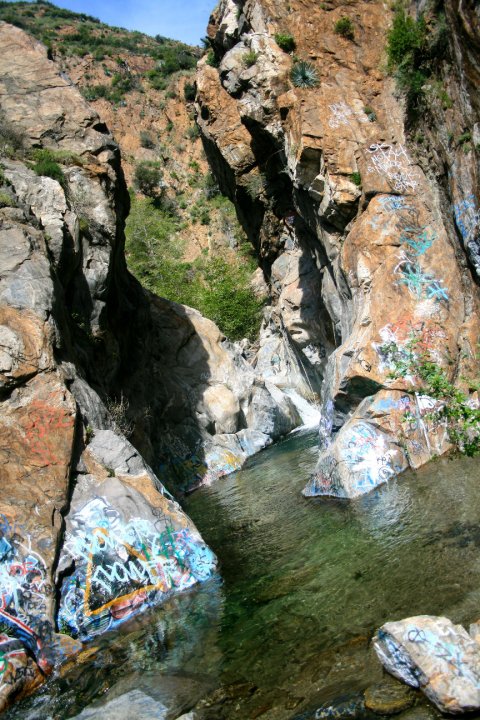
(354, 236)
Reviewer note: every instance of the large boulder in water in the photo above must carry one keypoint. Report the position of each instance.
(127, 546)
(433, 654)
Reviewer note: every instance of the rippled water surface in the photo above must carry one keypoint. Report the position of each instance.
(304, 586)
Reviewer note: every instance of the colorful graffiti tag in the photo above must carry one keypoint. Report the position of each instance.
(25, 591)
(122, 567)
(366, 452)
(467, 217)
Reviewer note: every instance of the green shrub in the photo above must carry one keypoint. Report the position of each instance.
(407, 55)
(286, 42)
(12, 139)
(345, 28)
(189, 91)
(249, 58)
(6, 200)
(48, 167)
(356, 178)
(455, 408)
(193, 132)
(220, 290)
(94, 92)
(211, 59)
(464, 138)
(146, 140)
(147, 178)
(304, 75)
(370, 113)
(405, 38)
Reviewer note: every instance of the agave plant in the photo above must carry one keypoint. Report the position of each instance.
(304, 75)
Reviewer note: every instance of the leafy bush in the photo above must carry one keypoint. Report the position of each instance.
(45, 165)
(407, 56)
(356, 178)
(146, 140)
(345, 28)
(304, 75)
(286, 42)
(249, 58)
(94, 92)
(189, 91)
(147, 178)
(220, 290)
(11, 138)
(211, 59)
(460, 413)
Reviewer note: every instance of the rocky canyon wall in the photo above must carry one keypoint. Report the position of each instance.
(368, 241)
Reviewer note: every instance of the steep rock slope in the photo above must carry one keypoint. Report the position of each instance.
(89, 536)
(355, 235)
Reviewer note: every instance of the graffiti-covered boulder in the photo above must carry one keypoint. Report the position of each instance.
(389, 432)
(433, 654)
(18, 672)
(127, 546)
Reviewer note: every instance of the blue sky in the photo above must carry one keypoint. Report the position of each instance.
(184, 20)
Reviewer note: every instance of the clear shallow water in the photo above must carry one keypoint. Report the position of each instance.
(304, 586)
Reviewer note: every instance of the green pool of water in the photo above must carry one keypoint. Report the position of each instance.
(305, 583)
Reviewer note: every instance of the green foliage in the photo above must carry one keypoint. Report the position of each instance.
(11, 138)
(147, 178)
(413, 51)
(146, 140)
(304, 75)
(370, 113)
(249, 58)
(286, 42)
(193, 132)
(464, 138)
(220, 290)
(356, 178)
(6, 199)
(345, 28)
(88, 35)
(189, 91)
(211, 59)
(459, 412)
(46, 164)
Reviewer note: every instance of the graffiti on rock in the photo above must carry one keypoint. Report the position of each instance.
(25, 591)
(44, 423)
(444, 649)
(420, 283)
(393, 163)
(368, 456)
(467, 217)
(341, 113)
(122, 567)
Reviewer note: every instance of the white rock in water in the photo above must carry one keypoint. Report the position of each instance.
(435, 655)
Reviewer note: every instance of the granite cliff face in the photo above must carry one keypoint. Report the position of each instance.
(100, 381)
(368, 241)
(89, 536)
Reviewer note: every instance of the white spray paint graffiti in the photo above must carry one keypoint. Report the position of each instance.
(341, 114)
(393, 162)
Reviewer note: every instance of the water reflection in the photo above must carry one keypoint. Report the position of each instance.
(305, 585)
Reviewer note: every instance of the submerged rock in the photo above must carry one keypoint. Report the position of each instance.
(388, 697)
(433, 654)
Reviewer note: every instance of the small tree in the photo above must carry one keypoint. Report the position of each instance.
(147, 178)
